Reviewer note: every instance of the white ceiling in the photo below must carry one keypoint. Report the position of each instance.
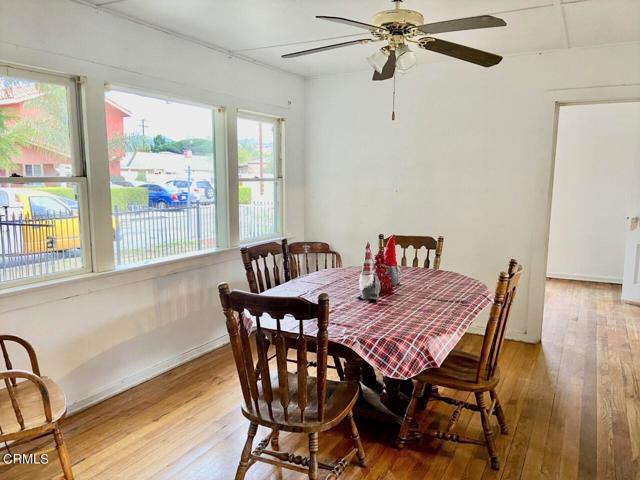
(263, 30)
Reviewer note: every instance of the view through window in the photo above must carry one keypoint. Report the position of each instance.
(40, 221)
(161, 163)
(259, 177)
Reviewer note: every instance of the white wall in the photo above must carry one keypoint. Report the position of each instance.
(110, 331)
(468, 157)
(596, 185)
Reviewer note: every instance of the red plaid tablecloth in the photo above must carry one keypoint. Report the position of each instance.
(402, 334)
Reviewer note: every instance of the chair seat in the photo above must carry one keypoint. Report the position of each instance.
(29, 400)
(340, 398)
(459, 371)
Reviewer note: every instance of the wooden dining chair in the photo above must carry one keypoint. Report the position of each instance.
(417, 243)
(30, 405)
(286, 401)
(260, 279)
(266, 265)
(308, 257)
(469, 372)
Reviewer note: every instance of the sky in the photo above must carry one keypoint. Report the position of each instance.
(176, 121)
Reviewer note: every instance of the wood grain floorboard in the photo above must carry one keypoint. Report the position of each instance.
(572, 405)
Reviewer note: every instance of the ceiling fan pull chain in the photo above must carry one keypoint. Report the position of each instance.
(393, 109)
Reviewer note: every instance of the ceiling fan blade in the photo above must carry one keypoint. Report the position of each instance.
(461, 52)
(389, 68)
(327, 47)
(470, 23)
(353, 23)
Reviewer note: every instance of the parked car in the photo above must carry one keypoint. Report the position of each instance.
(187, 186)
(44, 222)
(207, 188)
(162, 196)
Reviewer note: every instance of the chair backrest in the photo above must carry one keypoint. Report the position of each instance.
(277, 397)
(307, 257)
(417, 242)
(498, 319)
(11, 376)
(265, 276)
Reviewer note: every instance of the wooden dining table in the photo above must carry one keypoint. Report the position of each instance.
(399, 335)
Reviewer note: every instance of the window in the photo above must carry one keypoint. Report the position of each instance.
(162, 168)
(260, 177)
(42, 220)
(32, 170)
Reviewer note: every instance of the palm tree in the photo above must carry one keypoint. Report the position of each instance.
(14, 134)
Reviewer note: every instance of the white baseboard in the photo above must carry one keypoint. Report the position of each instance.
(146, 374)
(517, 336)
(585, 278)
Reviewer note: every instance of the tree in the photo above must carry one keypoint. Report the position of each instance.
(135, 142)
(14, 134)
(159, 142)
(50, 126)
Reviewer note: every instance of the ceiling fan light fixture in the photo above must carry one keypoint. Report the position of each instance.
(379, 59)
(406, 58)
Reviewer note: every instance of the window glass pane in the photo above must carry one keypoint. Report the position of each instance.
(40, 231)
(259, 210)
(256, 157)
(35, 133)
(161, 162)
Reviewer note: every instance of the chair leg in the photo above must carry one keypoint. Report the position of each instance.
(355, 436)
(275, 439)
(424, 399)
(246, 452)
(339, 369)
(499, 413)
(488, 433)
(418, 391)
(65, 461)
(313, 456)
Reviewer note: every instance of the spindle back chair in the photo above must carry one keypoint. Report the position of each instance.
(307, 257)
(417, 243)
(266, 265)
(286, 401)
(30, 408)
(472, 373)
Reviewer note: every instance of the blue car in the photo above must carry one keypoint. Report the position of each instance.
(165, 196)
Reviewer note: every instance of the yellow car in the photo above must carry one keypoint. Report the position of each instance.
(38, 222)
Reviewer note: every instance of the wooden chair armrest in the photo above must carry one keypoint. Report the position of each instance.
(35, 368)
(8, 375)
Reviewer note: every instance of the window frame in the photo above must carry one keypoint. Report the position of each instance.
(73, 85)
(278, 173)
(90, 176)
(220, 156)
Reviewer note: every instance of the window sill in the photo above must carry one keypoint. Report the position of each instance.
(29, 295)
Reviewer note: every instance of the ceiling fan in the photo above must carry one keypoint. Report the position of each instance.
(400, 28)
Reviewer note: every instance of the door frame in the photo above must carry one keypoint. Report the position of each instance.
(554, 100)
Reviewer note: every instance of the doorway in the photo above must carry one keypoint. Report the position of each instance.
(596, 190)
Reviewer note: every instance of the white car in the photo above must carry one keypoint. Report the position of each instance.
(185, 186)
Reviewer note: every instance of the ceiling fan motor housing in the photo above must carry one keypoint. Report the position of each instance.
(398, 20)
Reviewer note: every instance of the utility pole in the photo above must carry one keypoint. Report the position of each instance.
(144, 124)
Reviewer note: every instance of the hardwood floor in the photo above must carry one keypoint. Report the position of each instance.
(572, 405)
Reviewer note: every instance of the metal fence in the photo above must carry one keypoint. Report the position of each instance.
(149, 233)
(31, 248)
(257, 220)
(46, 245)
